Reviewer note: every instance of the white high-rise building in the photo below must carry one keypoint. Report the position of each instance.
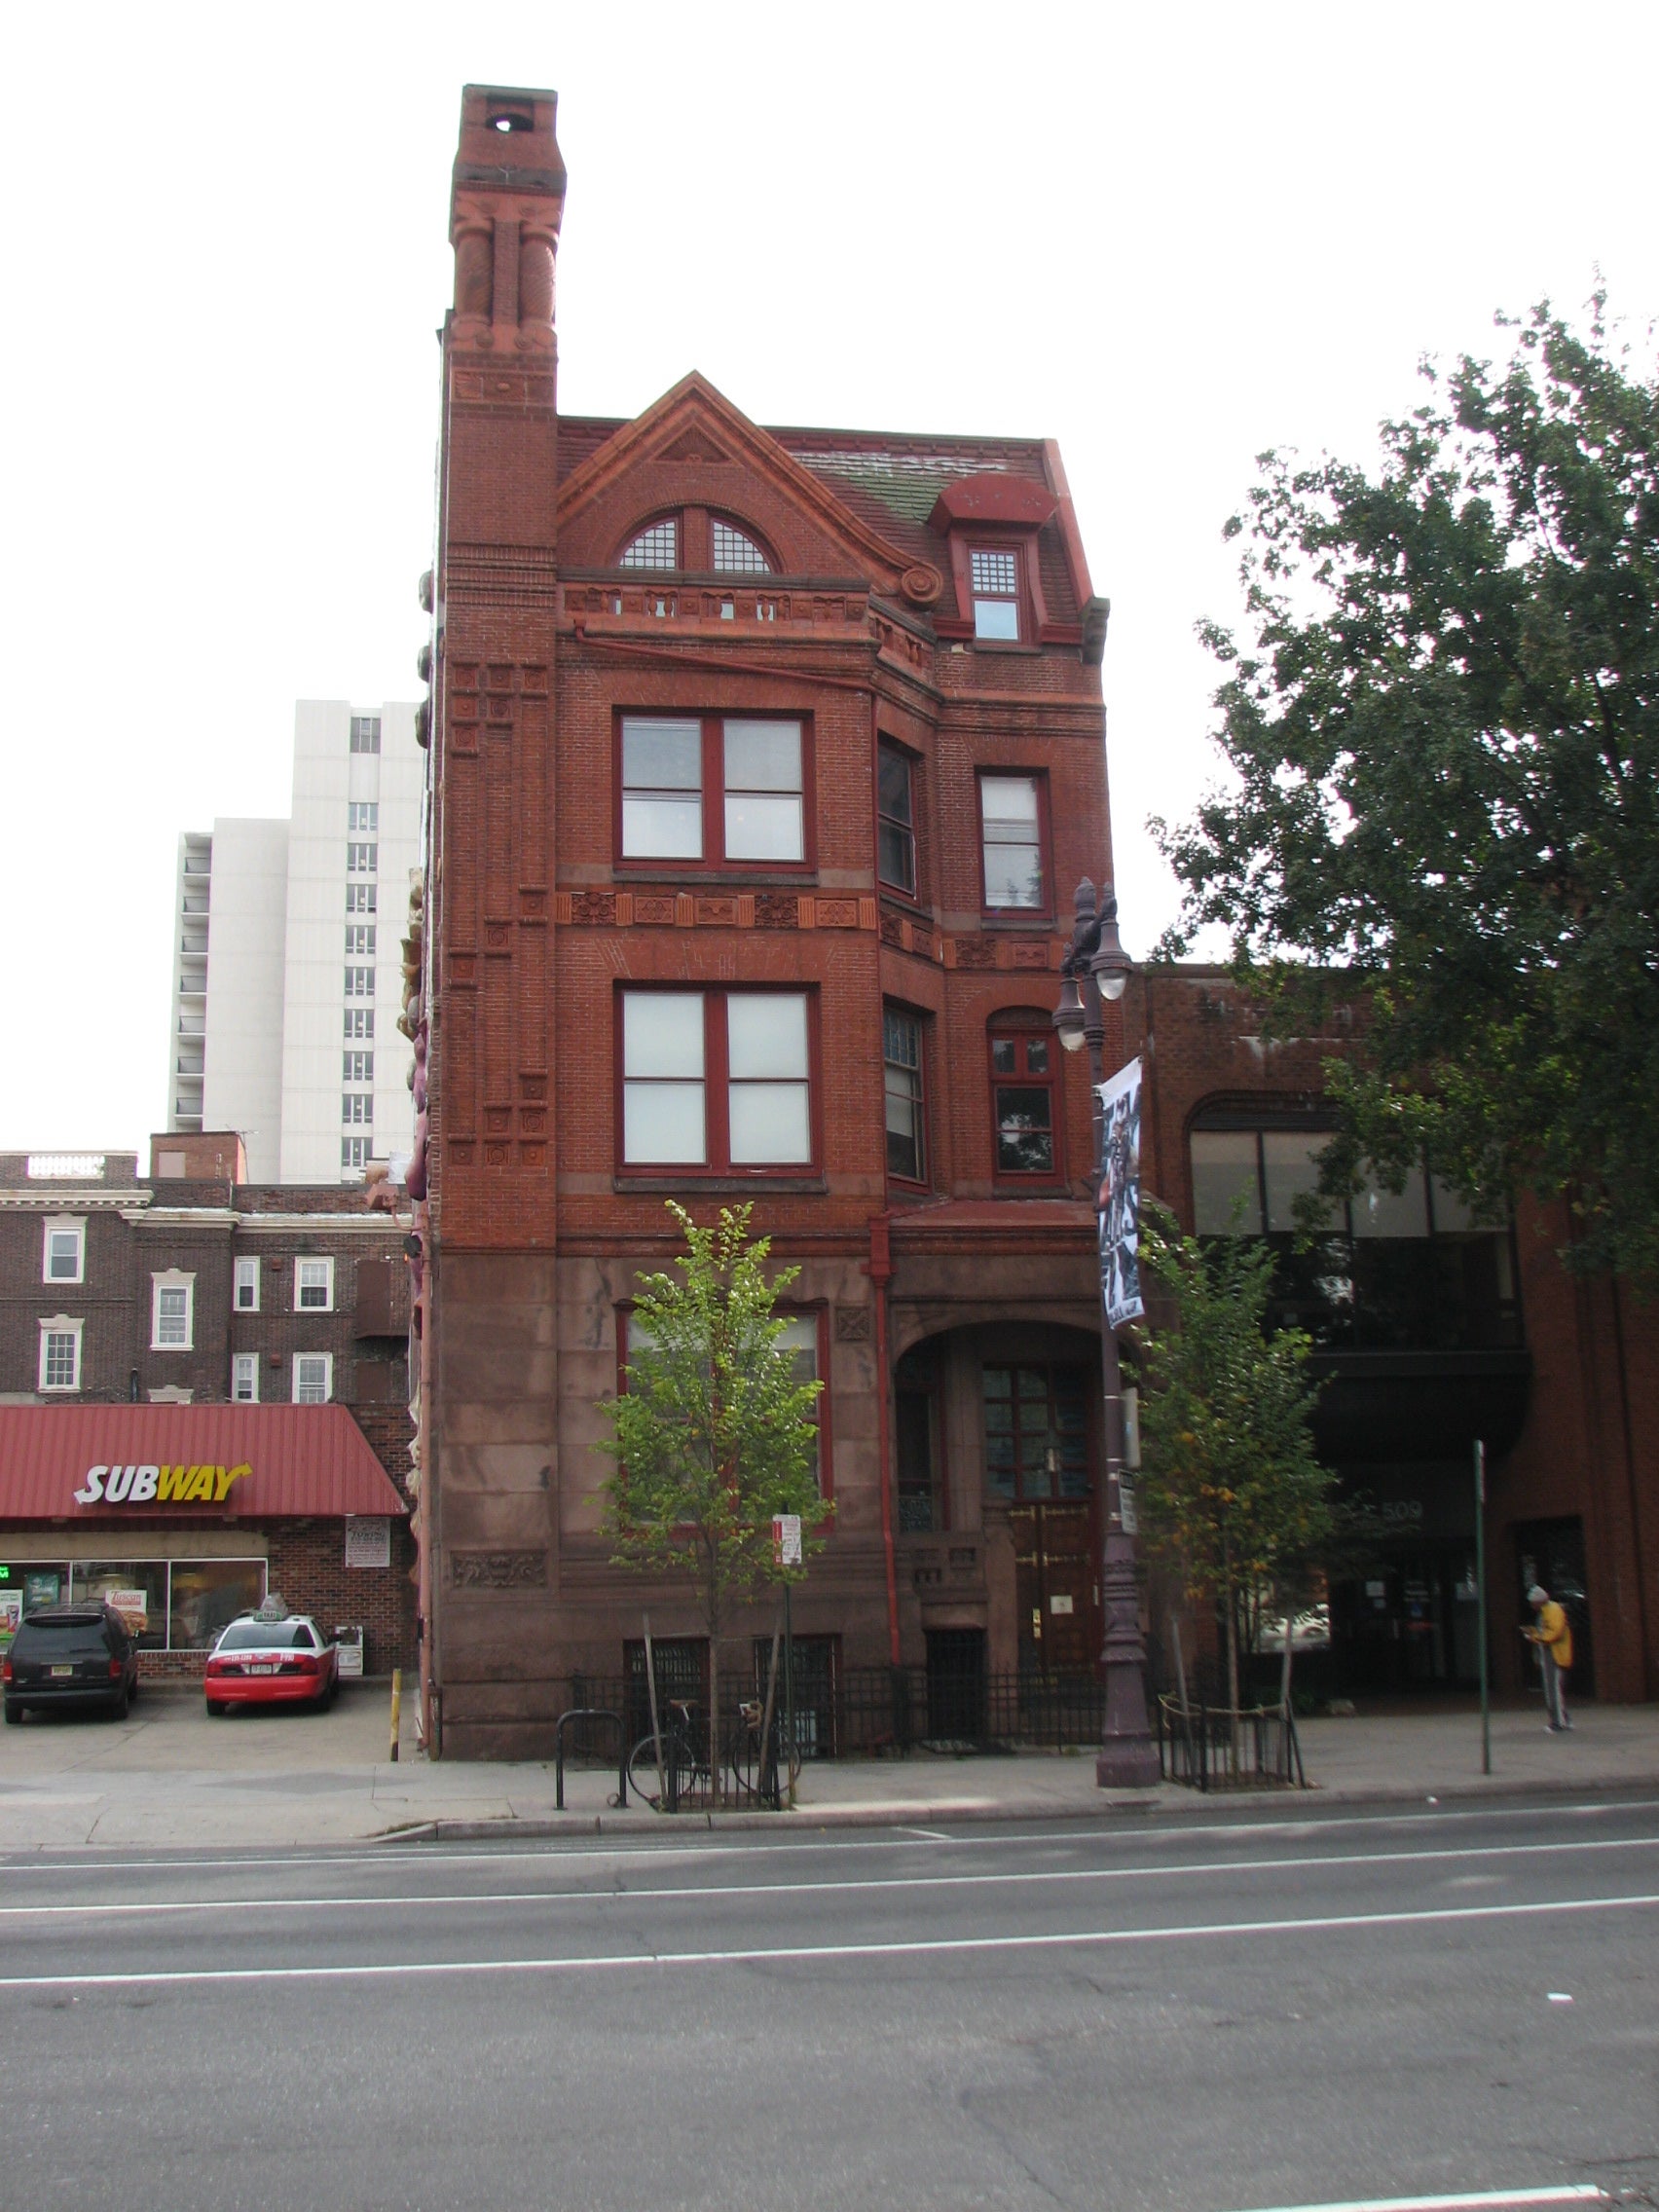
(287, 959)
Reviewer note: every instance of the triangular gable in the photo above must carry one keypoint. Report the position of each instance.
(694, 424)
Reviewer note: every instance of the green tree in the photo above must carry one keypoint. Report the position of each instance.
(1229, 1490)
(713, 1434)
(1444, 746)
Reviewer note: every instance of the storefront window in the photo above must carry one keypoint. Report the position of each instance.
(207, 1594)
(137, 1589)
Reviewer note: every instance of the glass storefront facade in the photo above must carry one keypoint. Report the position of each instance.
(176, 1605)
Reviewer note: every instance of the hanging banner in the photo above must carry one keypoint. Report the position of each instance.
(1119, 1197)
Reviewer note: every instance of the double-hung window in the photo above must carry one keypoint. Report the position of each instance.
(172, 1299)
(714, 789)
(61, 1353)
(247, 1294)
(313, 1378)
(1013, 843)
(994, 575)
(314, 1286)
(715, 1079)
(903, 1078)
(244, 1378)
(64, 1257)
(895, 818)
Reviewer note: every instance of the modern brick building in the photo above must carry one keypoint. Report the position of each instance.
(207, 1323)
(763, 764)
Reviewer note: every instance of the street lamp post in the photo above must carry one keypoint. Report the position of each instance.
(1096, 969)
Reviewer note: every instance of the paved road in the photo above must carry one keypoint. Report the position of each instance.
(1196, 2016)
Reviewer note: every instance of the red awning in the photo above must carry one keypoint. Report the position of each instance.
(157, 1464)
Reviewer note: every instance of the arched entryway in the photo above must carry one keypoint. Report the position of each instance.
(998, 1451)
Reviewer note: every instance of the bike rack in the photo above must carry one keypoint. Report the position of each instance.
(589, 1712)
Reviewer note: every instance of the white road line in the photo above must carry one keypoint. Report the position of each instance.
(806, 1840)
(819, 1954)
(1453, 1854)
(1490, 2199)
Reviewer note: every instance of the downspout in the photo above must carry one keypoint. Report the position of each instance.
(880, 1271)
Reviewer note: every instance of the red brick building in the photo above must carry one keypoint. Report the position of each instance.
(189, 1319)
(765, 763)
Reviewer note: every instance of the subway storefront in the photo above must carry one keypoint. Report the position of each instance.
(182, 1517)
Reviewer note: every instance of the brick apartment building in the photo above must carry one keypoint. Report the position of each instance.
(764, 763)
(189, 1319)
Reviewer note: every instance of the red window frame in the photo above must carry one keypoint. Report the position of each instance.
(716, 1084)
(672, 516)
(889, 748)
(1025, 1030)
(1039, 779)
(818, 1313)
(1017, 598)
(910, 1013)
(713, 792)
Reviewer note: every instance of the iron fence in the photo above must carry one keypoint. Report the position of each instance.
(1207, 1746)
(863, 1712)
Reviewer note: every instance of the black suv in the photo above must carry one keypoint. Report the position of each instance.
(70, 1655)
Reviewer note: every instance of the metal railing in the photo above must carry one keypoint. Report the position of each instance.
(1208, 1747)
(887, 1712)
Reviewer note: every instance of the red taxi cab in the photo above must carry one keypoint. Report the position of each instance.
(270, 1657)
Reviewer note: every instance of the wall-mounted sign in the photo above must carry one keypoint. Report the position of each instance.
(368, 1540)
(159, 1486)
(1059, 1603)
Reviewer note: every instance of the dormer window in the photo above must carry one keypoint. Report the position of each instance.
(995, 576)
(735, 552)
(656, 546)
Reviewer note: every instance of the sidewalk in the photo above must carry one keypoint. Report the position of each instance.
(169, 1779)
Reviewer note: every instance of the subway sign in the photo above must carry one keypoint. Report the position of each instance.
(159, 1486)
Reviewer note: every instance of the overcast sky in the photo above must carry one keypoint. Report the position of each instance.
(1166, 237)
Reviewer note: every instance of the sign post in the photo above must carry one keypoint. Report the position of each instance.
(1481, 1603)
(785, 1544)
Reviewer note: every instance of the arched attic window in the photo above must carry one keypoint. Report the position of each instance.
(694, 540)
(734, 552)
(656, 546)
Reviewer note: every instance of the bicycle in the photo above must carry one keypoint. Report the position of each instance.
(679, 1774)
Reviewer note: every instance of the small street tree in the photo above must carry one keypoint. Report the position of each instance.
(1229, 1490)
(714, 1433)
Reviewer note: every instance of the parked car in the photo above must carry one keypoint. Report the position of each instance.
(267, 1658)
(70, 1655)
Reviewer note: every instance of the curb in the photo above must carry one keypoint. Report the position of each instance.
(1165, 1798)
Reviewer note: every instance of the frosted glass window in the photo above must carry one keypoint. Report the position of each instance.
(1225, 1177)
(766, 1057)
(662, 789)
(1012, 842)
(1291, 1159)
(1380, 1212)
(663, 1102)
(764, 815)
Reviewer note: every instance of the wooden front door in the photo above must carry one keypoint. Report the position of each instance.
(1057, 1580)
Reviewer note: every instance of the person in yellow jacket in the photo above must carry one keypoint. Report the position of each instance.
(1554, 1638)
